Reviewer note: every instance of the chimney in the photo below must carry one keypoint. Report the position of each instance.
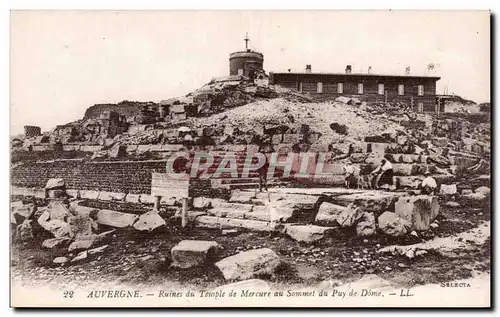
(407, 71)
(348, 69)
(308, 68)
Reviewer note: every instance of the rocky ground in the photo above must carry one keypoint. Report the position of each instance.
(457, 247)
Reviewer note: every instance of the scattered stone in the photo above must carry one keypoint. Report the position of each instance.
(392, 225)
(82, 226)
(249, 264)
(24, 231)
(434, 225)
(307, 233)
(388, 268)
(97, 250)
(55, 183)
(420, 211)
(80, 256)
(466, 192)
(115, 219)
(149, 221)
(366, 225)
(229, 232)
(55, 242)
(414, 233)
(190, 253)
(402, 265)
(202, 203)
(448, 189)
(60, 260)
(58, 211)
(328, 213)
(420, 252)
(483, 190)
(452, 204)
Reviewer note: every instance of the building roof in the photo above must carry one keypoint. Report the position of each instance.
(355, 74)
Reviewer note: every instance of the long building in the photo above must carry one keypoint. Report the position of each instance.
(419, 91)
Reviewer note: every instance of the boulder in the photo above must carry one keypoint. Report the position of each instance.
(83, 243)
(58, 211)
(57, 227)
(55, 183)
(202, 203)
(24, 232)
(366, 225)
(55, 242)
(307, 233)
(115, 219)
(21, 212)
(82, 225)
(111, 196)
(467, 191)
(350, 216)
(448, 189)
(483, 190)
(476, 196)
(419, 211)
(242, 196)
(190, 253)
(149, 221)
(391, 224)
(60, 260)
(375, 201)
(328, 213)
(249, 264)
(452, 204)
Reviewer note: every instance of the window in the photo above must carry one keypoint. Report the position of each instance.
(319, 88)
(360, 89)
(420, 90)
(340, 88)
(420, 107)
(380, 89)
(401, 90)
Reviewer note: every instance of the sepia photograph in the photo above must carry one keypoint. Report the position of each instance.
(232, 158)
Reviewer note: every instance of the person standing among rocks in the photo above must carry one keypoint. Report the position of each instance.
(383, 174)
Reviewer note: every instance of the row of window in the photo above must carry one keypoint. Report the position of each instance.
(381, 89)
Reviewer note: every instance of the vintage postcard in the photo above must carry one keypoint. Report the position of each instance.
(250, 159)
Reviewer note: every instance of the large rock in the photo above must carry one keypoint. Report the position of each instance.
(189, 253)
(483, 190)
(476, 196)
(448, 189)
(420, 211)
(111, 196)
(350, 216)
(57, 227)
(115, 219)
(366, 225)
(21, 212)
(230, 223)
(249, 264)
(55, 183)
(307, 233)
(391, 224)
(328, 213)
(374, 201)
(202, 203)
(149, 221)
(55, 242)
(82, 226)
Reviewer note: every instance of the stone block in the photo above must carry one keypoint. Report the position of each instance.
(115, 218)
(149, 221)
(190, 253)
(419, 211)
(307, 233)
(391, 224)
(249, 264)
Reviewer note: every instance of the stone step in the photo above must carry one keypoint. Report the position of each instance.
(213, 222)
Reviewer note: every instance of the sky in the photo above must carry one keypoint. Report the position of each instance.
(62, 62)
